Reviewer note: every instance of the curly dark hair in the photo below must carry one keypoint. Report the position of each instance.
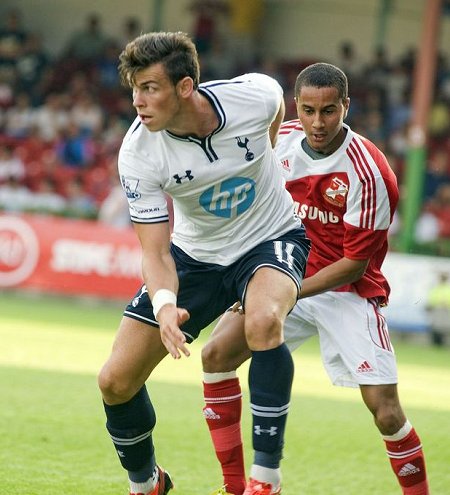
(322, 75)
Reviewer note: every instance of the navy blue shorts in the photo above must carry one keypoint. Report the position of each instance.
(207, 290)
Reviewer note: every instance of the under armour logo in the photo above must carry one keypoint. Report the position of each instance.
(244, 144)
(179, 179)
(273, 430)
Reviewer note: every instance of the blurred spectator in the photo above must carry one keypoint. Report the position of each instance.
(6, 91)
(427, 228)
(51, 118)
(437, 173)
(374, 129)
(18, 118)
(439, 120)
(398, 112)
(79, 83)
(438, 308)
(11, 166)
(31, 148)
(441, 208)
(87, 114)
(31, 65)
(408, 60)
(47, 164)
(75, 147)
(79, 203)
(398, 84)
(124, 109)
(349, 61)
(98, 179)
(113, 133)
(445, 84)
(12, 39)
(218, 63)
(46, 199)
(14, 197)
(131, 28)
(205, 28)
(377, 71)
(87, 44)
(105, 69)
(398, 141)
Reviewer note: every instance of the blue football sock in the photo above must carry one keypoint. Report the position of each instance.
(130, 426)
(270, 381)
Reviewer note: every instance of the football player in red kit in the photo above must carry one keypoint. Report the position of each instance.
(346, 194)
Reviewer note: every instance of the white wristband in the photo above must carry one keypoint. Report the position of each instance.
(161, 298)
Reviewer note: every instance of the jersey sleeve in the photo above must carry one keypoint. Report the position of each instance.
(142, 185)
(373, 197)
(361, 244)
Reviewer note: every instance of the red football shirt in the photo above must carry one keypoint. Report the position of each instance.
(346, 201)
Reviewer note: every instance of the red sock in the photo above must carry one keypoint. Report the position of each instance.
(223, 416)
(408, 463)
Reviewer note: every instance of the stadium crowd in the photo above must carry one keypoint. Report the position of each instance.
(62, 118)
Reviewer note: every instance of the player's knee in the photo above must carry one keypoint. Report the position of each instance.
(389, 419)
(214, 359)
(115, 390)
(263, 329)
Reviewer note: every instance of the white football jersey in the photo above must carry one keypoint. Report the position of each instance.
(227, 188)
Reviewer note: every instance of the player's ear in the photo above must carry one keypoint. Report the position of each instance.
(346, 106)
(185, 87)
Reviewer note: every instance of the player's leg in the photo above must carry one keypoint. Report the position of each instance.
(403, 445)
(130, 414)
(137, 351)
(224, 352)
(357, 351)
(268, 280)
(270, 296)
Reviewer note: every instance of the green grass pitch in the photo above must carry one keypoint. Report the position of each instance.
(53, 440)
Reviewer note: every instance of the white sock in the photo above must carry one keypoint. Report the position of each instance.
(146, 486)
(266, 475)
(402, 433)
(218, 377)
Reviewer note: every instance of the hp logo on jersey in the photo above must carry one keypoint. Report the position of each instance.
(230, 198)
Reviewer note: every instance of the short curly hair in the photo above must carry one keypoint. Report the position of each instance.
(323, 75)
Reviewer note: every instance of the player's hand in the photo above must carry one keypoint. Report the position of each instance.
(170, 319)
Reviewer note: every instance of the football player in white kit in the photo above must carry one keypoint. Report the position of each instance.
(346, 194)
(235, 237)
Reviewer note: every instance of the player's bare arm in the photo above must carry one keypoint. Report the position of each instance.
(343, 271)
(159, 273)
(275, 125)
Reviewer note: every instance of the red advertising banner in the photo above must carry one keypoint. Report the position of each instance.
(68, 256)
